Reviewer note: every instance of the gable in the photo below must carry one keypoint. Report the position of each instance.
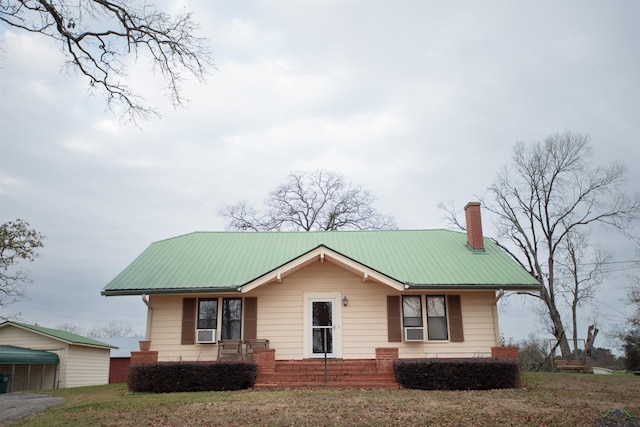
(235, 261)
(322, 254)
(19, 337)
(55, 334)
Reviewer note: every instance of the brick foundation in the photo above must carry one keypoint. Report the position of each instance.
(337, 373)
(143, 357)
(385, 358)
(509, 353)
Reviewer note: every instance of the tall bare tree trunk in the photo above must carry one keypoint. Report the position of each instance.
(591, 337)
(558, 327)
(550, 192)
(574, 325)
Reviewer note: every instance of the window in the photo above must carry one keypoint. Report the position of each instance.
(436, 318)
(322, 323)
(412, 310)
(207, 313)
(444, 320)
(201, 323)
(231, 318)
(412, 318)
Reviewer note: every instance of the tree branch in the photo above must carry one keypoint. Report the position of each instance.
(100, 33)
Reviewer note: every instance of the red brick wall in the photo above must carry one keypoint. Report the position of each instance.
(474, 225)
(265, 360)
(510, 353)
(118, 369)
(385, 358)
(143, 357)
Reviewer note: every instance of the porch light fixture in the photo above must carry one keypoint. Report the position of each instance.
(345, 301)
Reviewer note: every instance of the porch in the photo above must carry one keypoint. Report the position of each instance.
(329, 373)
(275, 374)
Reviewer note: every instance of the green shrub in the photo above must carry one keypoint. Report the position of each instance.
(168, 377)
(465, 374)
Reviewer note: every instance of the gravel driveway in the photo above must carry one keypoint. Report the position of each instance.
(17, 405)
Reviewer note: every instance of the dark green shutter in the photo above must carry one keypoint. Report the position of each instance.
(394, 321)
(188, 321)
(455, 318)
(250, 318)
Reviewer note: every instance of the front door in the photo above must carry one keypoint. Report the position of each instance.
(323, 327)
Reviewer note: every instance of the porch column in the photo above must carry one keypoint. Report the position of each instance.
(265, 360)
(509, 353)
(385, 358)
(138, 357)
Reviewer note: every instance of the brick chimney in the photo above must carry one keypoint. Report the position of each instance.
(474, 226)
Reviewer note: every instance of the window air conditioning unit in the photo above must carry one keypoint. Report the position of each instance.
(414, 334)
(206, 336)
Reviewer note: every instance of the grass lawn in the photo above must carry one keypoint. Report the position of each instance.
(547, 399)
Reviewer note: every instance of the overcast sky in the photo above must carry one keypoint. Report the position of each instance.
(420, 102)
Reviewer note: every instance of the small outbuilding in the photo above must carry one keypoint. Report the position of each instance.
(36, 357)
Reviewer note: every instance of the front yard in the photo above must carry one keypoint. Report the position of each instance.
(547, 399)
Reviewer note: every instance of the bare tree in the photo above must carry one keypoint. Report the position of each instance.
(581, 271)
(451, 215)
(70, 327)
(311, 201)
(97, 36)
(113, 329)
(633, 299)
(18, 242)
(629, 334)
(551, 191)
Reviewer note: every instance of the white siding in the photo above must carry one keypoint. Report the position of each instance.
(11, 335)
(362, 325)
(166, 329)
(478, 326)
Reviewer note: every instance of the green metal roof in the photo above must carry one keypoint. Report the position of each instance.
(65, 336)
(225, 261)
(10, 355)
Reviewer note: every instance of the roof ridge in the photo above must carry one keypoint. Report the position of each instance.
(230, 232)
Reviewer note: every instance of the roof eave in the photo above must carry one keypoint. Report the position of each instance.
(165, 291)
(472, 287)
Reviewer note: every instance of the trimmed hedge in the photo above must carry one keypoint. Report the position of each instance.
(467, 374)
(168, 377)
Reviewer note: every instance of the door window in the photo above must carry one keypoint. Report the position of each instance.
(322, 325)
